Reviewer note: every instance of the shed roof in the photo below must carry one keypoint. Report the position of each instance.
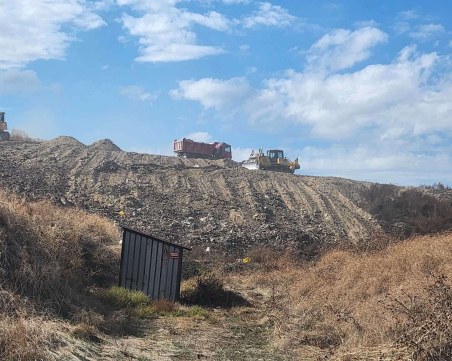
(155, 238)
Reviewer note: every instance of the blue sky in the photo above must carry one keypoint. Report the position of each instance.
(356, 89)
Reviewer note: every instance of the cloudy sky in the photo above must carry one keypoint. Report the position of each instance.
(356, 89)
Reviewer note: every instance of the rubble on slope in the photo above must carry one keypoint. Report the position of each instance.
(193, 201)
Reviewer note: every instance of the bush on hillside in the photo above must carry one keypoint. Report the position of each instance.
(407, 212)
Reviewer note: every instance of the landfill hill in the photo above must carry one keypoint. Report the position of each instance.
(217, 203)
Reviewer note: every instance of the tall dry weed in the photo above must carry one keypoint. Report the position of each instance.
(22, 339)
(49, 258)
(426, 322)
(340, 301)
(52, 255)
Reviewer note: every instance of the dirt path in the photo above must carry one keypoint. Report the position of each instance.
(241, 333)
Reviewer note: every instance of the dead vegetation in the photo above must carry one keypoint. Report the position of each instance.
(22, 338)
(49, 258)
(427, 330)
(53, 255)
(406, 212)
(22, 136)
(392, 304)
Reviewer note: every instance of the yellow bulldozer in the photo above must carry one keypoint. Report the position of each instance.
(273, 161)
(4, 135)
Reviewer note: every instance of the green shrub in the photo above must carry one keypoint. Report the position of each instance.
(196, 312)
(123, 298)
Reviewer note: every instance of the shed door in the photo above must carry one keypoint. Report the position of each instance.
(169, 275)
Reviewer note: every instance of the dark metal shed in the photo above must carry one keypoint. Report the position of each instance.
(151, 265)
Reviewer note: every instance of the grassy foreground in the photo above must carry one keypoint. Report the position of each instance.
(57, 299)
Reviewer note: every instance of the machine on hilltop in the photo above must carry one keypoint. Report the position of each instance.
(274, 160)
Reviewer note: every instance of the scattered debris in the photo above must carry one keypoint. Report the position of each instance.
(218, 204)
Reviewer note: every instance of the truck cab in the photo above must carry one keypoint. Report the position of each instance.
(223, 150)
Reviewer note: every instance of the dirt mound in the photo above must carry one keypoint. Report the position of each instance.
(194, 201)
(62, 141)
(104, 145)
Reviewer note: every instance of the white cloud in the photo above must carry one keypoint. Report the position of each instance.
(366, 23)
(34, 30)
(18, 81)
(213, 93)
(244, 48)
(136, 92)
(251, 70)
(165, 31)
(408, 15)
(417, 26)
(268, 15)
(356, 158)
(342, 48)
(378, 163)
(200, 137)
(229, 2)
(427, 31)
(402, 27)
(391, 97)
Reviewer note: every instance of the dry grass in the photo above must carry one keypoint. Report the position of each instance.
(49, 259)
(426, 327)
(22, 339)
(345, 301)
(54, 254)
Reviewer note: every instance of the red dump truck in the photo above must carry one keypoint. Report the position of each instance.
(188, 148)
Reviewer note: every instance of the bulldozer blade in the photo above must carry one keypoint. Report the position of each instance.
(250, 165)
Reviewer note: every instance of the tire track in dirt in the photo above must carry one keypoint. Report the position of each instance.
(192, 201)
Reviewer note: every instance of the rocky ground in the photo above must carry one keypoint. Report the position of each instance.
(191, 201)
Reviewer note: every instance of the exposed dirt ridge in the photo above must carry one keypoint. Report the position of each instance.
(192, 201)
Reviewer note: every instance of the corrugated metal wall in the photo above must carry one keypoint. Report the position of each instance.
(150, 265)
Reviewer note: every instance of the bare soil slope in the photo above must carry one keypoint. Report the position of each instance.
(189, 200)
(192, 201)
